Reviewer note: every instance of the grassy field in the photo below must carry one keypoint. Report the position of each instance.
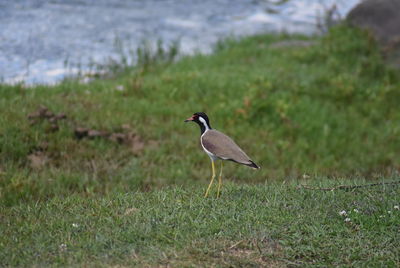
(274, 225)
(107, 173)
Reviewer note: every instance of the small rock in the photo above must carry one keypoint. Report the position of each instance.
(81, 132)
(52, 120)
(42, 110)
(381, 18)
(60, 116)
(44, 113)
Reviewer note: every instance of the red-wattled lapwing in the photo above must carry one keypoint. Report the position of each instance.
(218, 146)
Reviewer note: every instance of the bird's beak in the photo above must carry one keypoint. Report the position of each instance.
(189, 119)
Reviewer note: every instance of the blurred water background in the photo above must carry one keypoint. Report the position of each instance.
(43, 41)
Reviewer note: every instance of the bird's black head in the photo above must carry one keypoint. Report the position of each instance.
(201, 119)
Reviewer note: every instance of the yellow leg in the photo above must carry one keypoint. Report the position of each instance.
(219, 180)
(212, 178)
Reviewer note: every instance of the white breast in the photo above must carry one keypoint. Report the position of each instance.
(211, 155)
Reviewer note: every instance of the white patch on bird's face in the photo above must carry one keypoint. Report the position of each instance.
(204, 122)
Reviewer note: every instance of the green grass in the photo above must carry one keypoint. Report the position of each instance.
(325, 111)
(330, 109)
(273, 225)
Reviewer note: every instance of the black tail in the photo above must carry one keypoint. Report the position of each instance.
(253, 165)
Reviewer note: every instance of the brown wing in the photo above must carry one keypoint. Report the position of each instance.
(224, 147)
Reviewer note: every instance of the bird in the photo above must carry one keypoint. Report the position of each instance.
(218, 146)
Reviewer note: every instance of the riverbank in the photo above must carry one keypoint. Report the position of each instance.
(329, 109)
(107, 173)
